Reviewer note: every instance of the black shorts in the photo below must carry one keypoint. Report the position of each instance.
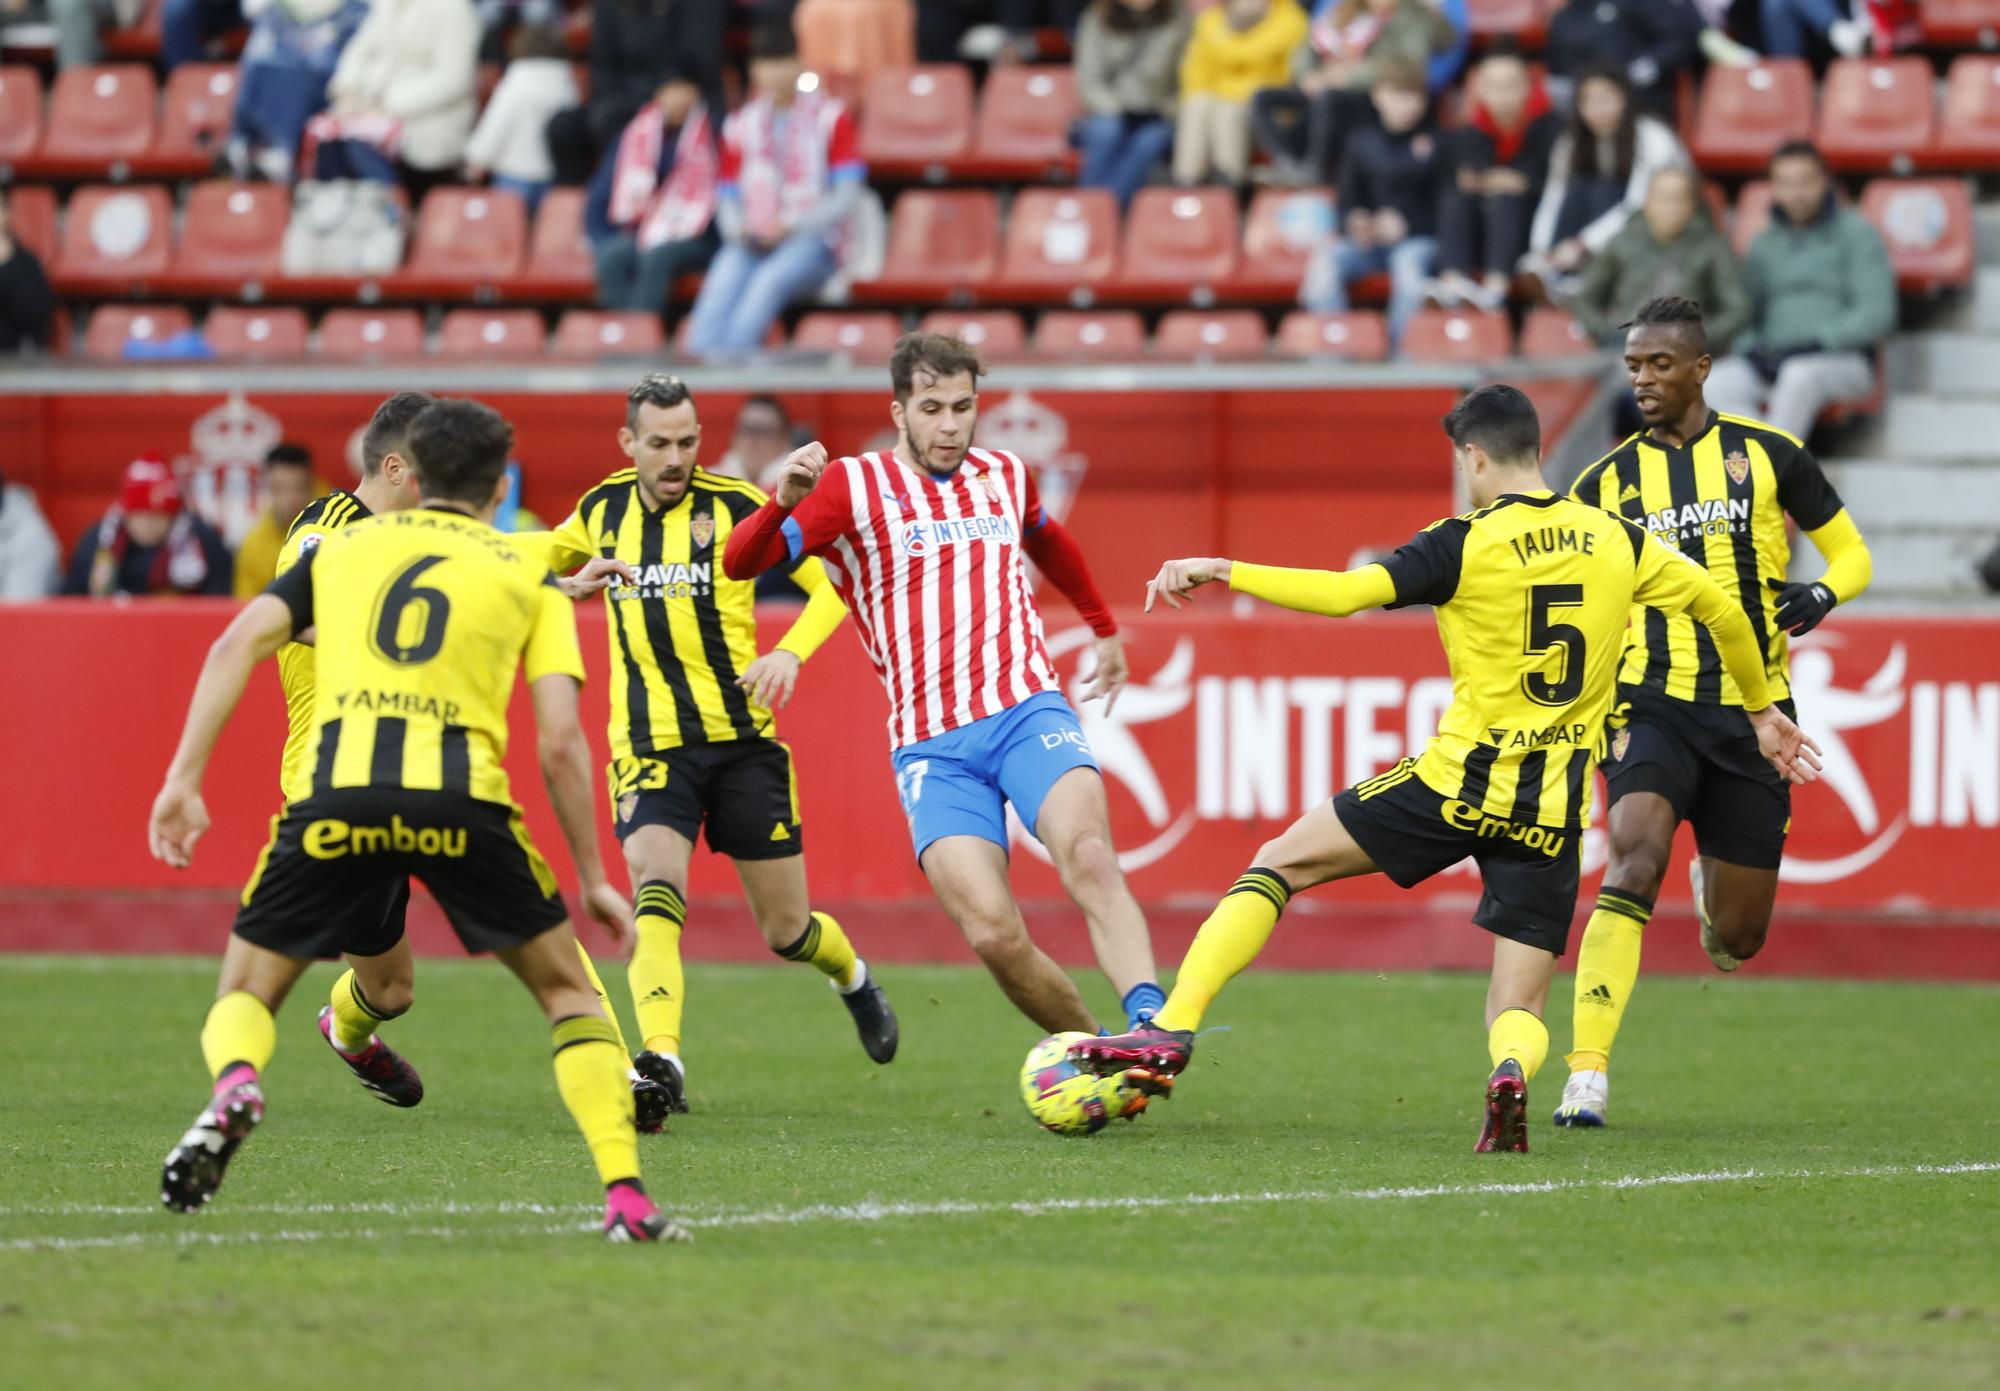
(1703, 759)
(743, 791)
(1529, 872)
(337, 859)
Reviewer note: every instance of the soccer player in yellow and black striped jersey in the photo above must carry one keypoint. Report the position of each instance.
(1717, 488)
(693, 742)
(421, 620)
(1531, 592)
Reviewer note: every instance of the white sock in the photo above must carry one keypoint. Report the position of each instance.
(860, 979)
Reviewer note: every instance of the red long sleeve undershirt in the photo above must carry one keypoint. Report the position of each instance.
(757, 545)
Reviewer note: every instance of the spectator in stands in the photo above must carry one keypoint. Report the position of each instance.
(1128, 57)
(511, 141)
(148, 543)
(1301, 125)
(633, 44)
(762, 440)
(511, 516)
(403, 95)
(791, 176)
(1390, 180)
(650, 212)
(1599, 171)
(1501, 158)
(1237, 49)
(187, 27)
(1804, 28)
(281, 83)
(1651, 42)
(29, 554)
(289, 484)
(27, 304)
(78, 24)
(1671, 248)
(988, 30)
(1822, 296)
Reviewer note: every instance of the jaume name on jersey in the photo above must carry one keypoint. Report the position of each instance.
(676, 579)
(1715, 517)
(398, 703)
(1553, 540)
(920, 538)
(1553, 737)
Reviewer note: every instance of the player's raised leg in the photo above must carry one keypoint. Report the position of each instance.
(1073, 822)
(1734, 904)
(969, 875)
(657, 858)
(1516, 1040)
(776, 890)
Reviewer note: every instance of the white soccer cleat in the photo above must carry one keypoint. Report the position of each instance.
(1710, 943)
(1586, 1097)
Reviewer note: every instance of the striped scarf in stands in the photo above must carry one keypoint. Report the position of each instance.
(783, 172)
(681, 208)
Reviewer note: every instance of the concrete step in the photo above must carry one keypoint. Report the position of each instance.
(1886, 493)
(1982, 312)
(1915, 563)
(1986, 232)
(1945, 363)
(1942, 427)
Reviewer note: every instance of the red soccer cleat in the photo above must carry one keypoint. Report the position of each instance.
(1506, 1129)
(1148, 1048)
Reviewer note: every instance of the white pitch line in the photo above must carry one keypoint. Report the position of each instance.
(880, 1212)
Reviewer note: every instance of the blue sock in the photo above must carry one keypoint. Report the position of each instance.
(1142, 1002)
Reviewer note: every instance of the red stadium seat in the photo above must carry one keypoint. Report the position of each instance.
(370, 335)
(1555, 333)
(1117, 335)
(509, 334)
(1753, 215)
(560, 266)
(1524, 21)
(115, 241)
(1359, 335)
(916, 121)
(1279, 233)
(588, 334)
(1198, 335)
(194, 121)
(1180, 244)
(112, 325)
(866, 338)
(1025, 114)
(20, 114)
(239, 333)
(997, 334)
(1969, 131)
(1746, 113)
(1961, 23)
(31, 209)
(1457, 336)
(467, 243)
(101, 120)
(1927, 224)
(943, 246)
(1060, 244)
(231, 237)
(1876, 114)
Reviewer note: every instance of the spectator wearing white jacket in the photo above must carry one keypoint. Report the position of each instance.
(29, 555)
(404, 91)
(511, 142)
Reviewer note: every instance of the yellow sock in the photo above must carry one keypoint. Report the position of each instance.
(825, 946)
(1519, 1035)
(603, 998)
(658, 985)
(354, 1019)
(1607, 969)
(239, 1029)
(590, 1074)
(1230, 940)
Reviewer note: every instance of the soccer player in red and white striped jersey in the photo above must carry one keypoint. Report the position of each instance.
(929, 544)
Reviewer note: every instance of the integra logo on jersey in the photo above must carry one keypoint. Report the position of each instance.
(332, 840)
(920, 538)
(1467, 817)
(675, 580)
(1717, 517)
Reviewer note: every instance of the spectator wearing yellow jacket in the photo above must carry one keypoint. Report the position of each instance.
(1239, 47)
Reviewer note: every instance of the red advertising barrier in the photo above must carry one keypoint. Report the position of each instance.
(1237, 718)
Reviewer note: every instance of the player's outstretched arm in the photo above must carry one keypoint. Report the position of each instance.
(1055, 552)
(1331, 593)
(596, 575)
(760, 543)
(1849, 568)
(565, 759)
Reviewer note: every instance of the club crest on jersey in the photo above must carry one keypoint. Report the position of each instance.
(309, 543)
(702, 530)
(992, 488)
(1738, 466)
(1620, 742)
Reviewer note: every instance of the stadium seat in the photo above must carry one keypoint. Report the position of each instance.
(848, 40)
(1554, 333)
(1746, 113)
(1524, 21)
(916, 121)
(1961, 23)
(195, 110)
(1876, 114)
(560, 266)
(1969, 130)
(1359, 335)
(1753, 215)
(997, 334)
(368, 335)
(231, 237)
(140, 39)
(1180, 244)
(510, 334)
(1457, 336)
(239, 333)
(115, 241)
(467, 242)
(866, 338)
(1927, 224)
(588, 334)
(112, 325)
(1278, 235)
(1199, 335)
(1060, 244)
(31, 208)
(20, 115)
(1025, 115)
(943, 246)
(100, 120)
(1082, 336)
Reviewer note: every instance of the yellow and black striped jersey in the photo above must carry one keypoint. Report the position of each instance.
(295, 660)
(1532, 596)
(423, 617)
(1721, 500)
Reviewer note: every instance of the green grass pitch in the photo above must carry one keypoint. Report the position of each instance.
(1801, 1188)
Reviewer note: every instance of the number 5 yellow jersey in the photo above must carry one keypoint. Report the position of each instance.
(423, 618)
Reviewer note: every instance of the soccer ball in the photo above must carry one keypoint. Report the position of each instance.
(1063, 1098)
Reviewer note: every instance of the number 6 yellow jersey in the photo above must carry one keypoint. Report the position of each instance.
(422, 619)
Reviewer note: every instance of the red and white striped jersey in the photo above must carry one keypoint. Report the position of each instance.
(934, 573)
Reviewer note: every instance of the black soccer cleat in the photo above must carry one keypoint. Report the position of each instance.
(378, 1067)
(1506, 1128)
(658, 1091)
(195, 1167)
(1148, 1048)
(874, 1020)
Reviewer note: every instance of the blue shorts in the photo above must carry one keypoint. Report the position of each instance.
(959, 784)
